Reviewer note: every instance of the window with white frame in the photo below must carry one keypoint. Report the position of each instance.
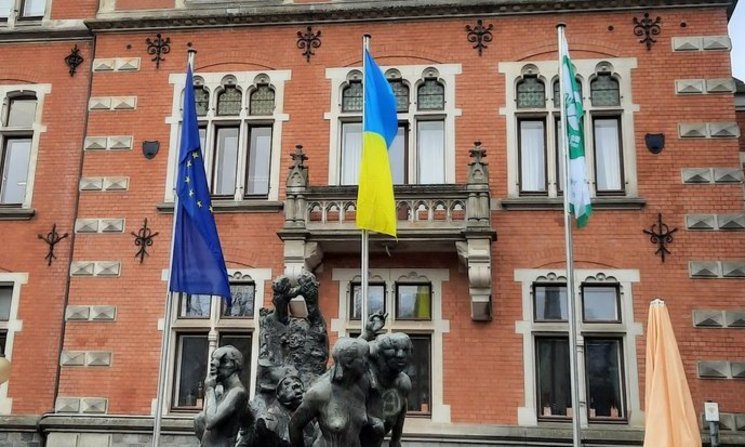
(20, 128)
(202, 323)
(10, 296)
(22, 9)
(412, 300)
(240, 119)
(423, 150)
(534, 127)
(608, 374)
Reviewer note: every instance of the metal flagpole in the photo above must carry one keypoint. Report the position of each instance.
(365, 236)
(573, 363)
(166, 339)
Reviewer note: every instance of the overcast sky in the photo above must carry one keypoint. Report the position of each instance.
(737, 33)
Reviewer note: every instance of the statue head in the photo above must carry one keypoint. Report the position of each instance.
(226, 361)
(394, 351)
(350, 358)
(281, 284)
(290, 391)
(308, 285)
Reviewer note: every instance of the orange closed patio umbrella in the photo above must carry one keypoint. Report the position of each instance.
(670, 419)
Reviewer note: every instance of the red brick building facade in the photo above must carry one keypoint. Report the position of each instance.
(477, 274)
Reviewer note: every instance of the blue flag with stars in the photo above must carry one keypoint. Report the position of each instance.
(198, 265)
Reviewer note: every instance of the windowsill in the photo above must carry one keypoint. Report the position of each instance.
(554, 203)
(17, 213)
(233, 206)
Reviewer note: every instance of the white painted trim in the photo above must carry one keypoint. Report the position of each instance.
(244, 80)
(527, 415)
(586, 70)
(259, 276)
(437, 327)
(12, 326)
(411, 75)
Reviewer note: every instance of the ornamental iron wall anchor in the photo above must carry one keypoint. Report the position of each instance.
(307, 41)
(479, 35)
(661, 235)
(52, 238)
(647, 28)
(158, 48)
(74, 59)
(143, 239)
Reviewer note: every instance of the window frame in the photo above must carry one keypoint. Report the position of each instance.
(439, 412)
(619, 132)
(16, 282)
(351, 297)
(520, 120)
(412, 76)
(623, 412)
(586, 69)
(582, 295)
(9, 94)
(215, 327)
(627, 330)
(247, 83)
(397, 297)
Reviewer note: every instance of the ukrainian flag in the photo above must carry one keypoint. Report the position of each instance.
(376, 208)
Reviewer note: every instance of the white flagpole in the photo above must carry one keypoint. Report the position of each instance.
(573, 363)
(365, 251)
(168, 314)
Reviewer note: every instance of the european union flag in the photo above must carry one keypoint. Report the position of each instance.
(198, 265)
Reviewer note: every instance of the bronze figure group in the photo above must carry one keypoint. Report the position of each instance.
(298, 401)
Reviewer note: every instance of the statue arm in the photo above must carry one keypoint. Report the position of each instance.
(404, 387)
(304, 414)
(375, 324)
(216, 413)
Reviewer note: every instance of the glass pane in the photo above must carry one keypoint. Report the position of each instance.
(431, 152)
(262, 101)
(202, 137)
(5, 7)
(401, 91)
(6, 295)
(557, 87)
(194, 306)
(34, 8)
(550, 303)
(226, 161)
(431, 95)
(559, 156)
(419, 372)
(554, 384)
(243, 301)
(22, 112)
(532, 156)
(351, 100)
(15, 170)
(600, 304)
(191, 370)
(397, 156)
(531, 93)
(242, 342)
(259, 156)
(229, 101)
(3, 341)
(202, 99)
(375, 299)
(351, 152)
(607, 155)
(413, 302)
(603, 361)
(604, 91)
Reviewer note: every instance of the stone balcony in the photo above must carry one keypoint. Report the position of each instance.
(431, 218)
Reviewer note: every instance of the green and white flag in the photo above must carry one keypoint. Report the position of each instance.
(578, 189)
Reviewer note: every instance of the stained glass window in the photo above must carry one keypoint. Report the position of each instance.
(352, 97)
(431, 95)
(604, 91)
(401, 91)
(229, 101)
(531, 93)
(202, 98)
(262, 101)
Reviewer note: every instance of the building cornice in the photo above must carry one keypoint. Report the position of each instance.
(223, 14)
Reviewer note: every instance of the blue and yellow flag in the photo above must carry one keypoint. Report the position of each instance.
(376, 208)
(198, 266)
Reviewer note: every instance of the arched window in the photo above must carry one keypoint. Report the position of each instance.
(557, 102)
(351, 100)
(229, 101)
(21, 111)
(431, 95)
(604, 91)
(531, 93)
(261, 101)
(202, 98)
(401, 91)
